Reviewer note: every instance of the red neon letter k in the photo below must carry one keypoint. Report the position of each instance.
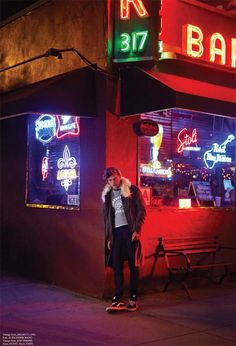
(138, 6)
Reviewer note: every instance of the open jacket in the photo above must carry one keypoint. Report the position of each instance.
(134, 208)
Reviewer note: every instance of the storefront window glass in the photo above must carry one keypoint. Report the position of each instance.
(192, 156)
(53, 162)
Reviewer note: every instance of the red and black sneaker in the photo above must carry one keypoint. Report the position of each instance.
(132, 306)
(116, 305)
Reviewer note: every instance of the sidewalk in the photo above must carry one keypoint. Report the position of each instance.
(42, 315)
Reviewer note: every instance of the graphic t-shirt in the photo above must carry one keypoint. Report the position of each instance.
(120, 218)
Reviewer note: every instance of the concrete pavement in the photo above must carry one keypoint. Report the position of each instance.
(42, 315)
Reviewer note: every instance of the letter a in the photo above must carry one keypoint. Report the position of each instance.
(138, 6)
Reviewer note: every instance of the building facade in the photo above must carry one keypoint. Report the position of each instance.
(147, 86)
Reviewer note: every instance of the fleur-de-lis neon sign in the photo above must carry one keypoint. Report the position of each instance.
(185, 139)
(217, 153)
(66, 169)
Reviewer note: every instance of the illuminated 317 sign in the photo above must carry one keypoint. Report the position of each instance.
(147, 29)
(134, 30)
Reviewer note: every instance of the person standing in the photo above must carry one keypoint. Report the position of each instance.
(124, 214)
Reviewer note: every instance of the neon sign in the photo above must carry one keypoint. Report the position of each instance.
(53, 174)
(45, 128)
(216, 46)
(206, 38)
(217, 153)
(134, 42)
(66, 169)
(44, 168)
(132, 30)
(185, 139)
(67, 125)
(162, 172)
(155, 145)
(138, 7)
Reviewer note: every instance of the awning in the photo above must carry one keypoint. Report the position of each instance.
(72, 93)
(144, 90)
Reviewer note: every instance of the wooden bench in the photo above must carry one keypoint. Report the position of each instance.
(186, 257)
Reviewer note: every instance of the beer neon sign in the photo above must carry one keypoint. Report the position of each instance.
(66, 169)
(48, 126)
(162, 172)
(217, 153)
(67, 125)
(45, 128)
(185, 139)
(44, 168)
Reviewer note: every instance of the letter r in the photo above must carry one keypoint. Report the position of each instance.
(138, 6)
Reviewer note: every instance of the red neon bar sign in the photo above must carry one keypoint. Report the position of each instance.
(198, 31)
(174, 29)
(215, 47)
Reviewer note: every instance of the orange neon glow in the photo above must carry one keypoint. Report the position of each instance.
(192, 41)
(217, 48)
(138, 6)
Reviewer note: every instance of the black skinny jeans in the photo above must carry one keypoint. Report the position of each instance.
(124, 249)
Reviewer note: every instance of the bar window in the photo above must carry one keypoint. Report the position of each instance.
(53, 162)
(192, 156)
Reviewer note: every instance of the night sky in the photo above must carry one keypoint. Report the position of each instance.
(10, 7)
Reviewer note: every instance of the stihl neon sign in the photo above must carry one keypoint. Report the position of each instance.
(215, 49)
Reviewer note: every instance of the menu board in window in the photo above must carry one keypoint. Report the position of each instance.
(202, 191)
(53, 161)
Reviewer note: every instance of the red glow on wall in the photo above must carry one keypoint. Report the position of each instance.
(138, 5)
(185, 138)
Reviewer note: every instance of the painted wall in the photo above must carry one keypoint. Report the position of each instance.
(61, 247)
(56, 24)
